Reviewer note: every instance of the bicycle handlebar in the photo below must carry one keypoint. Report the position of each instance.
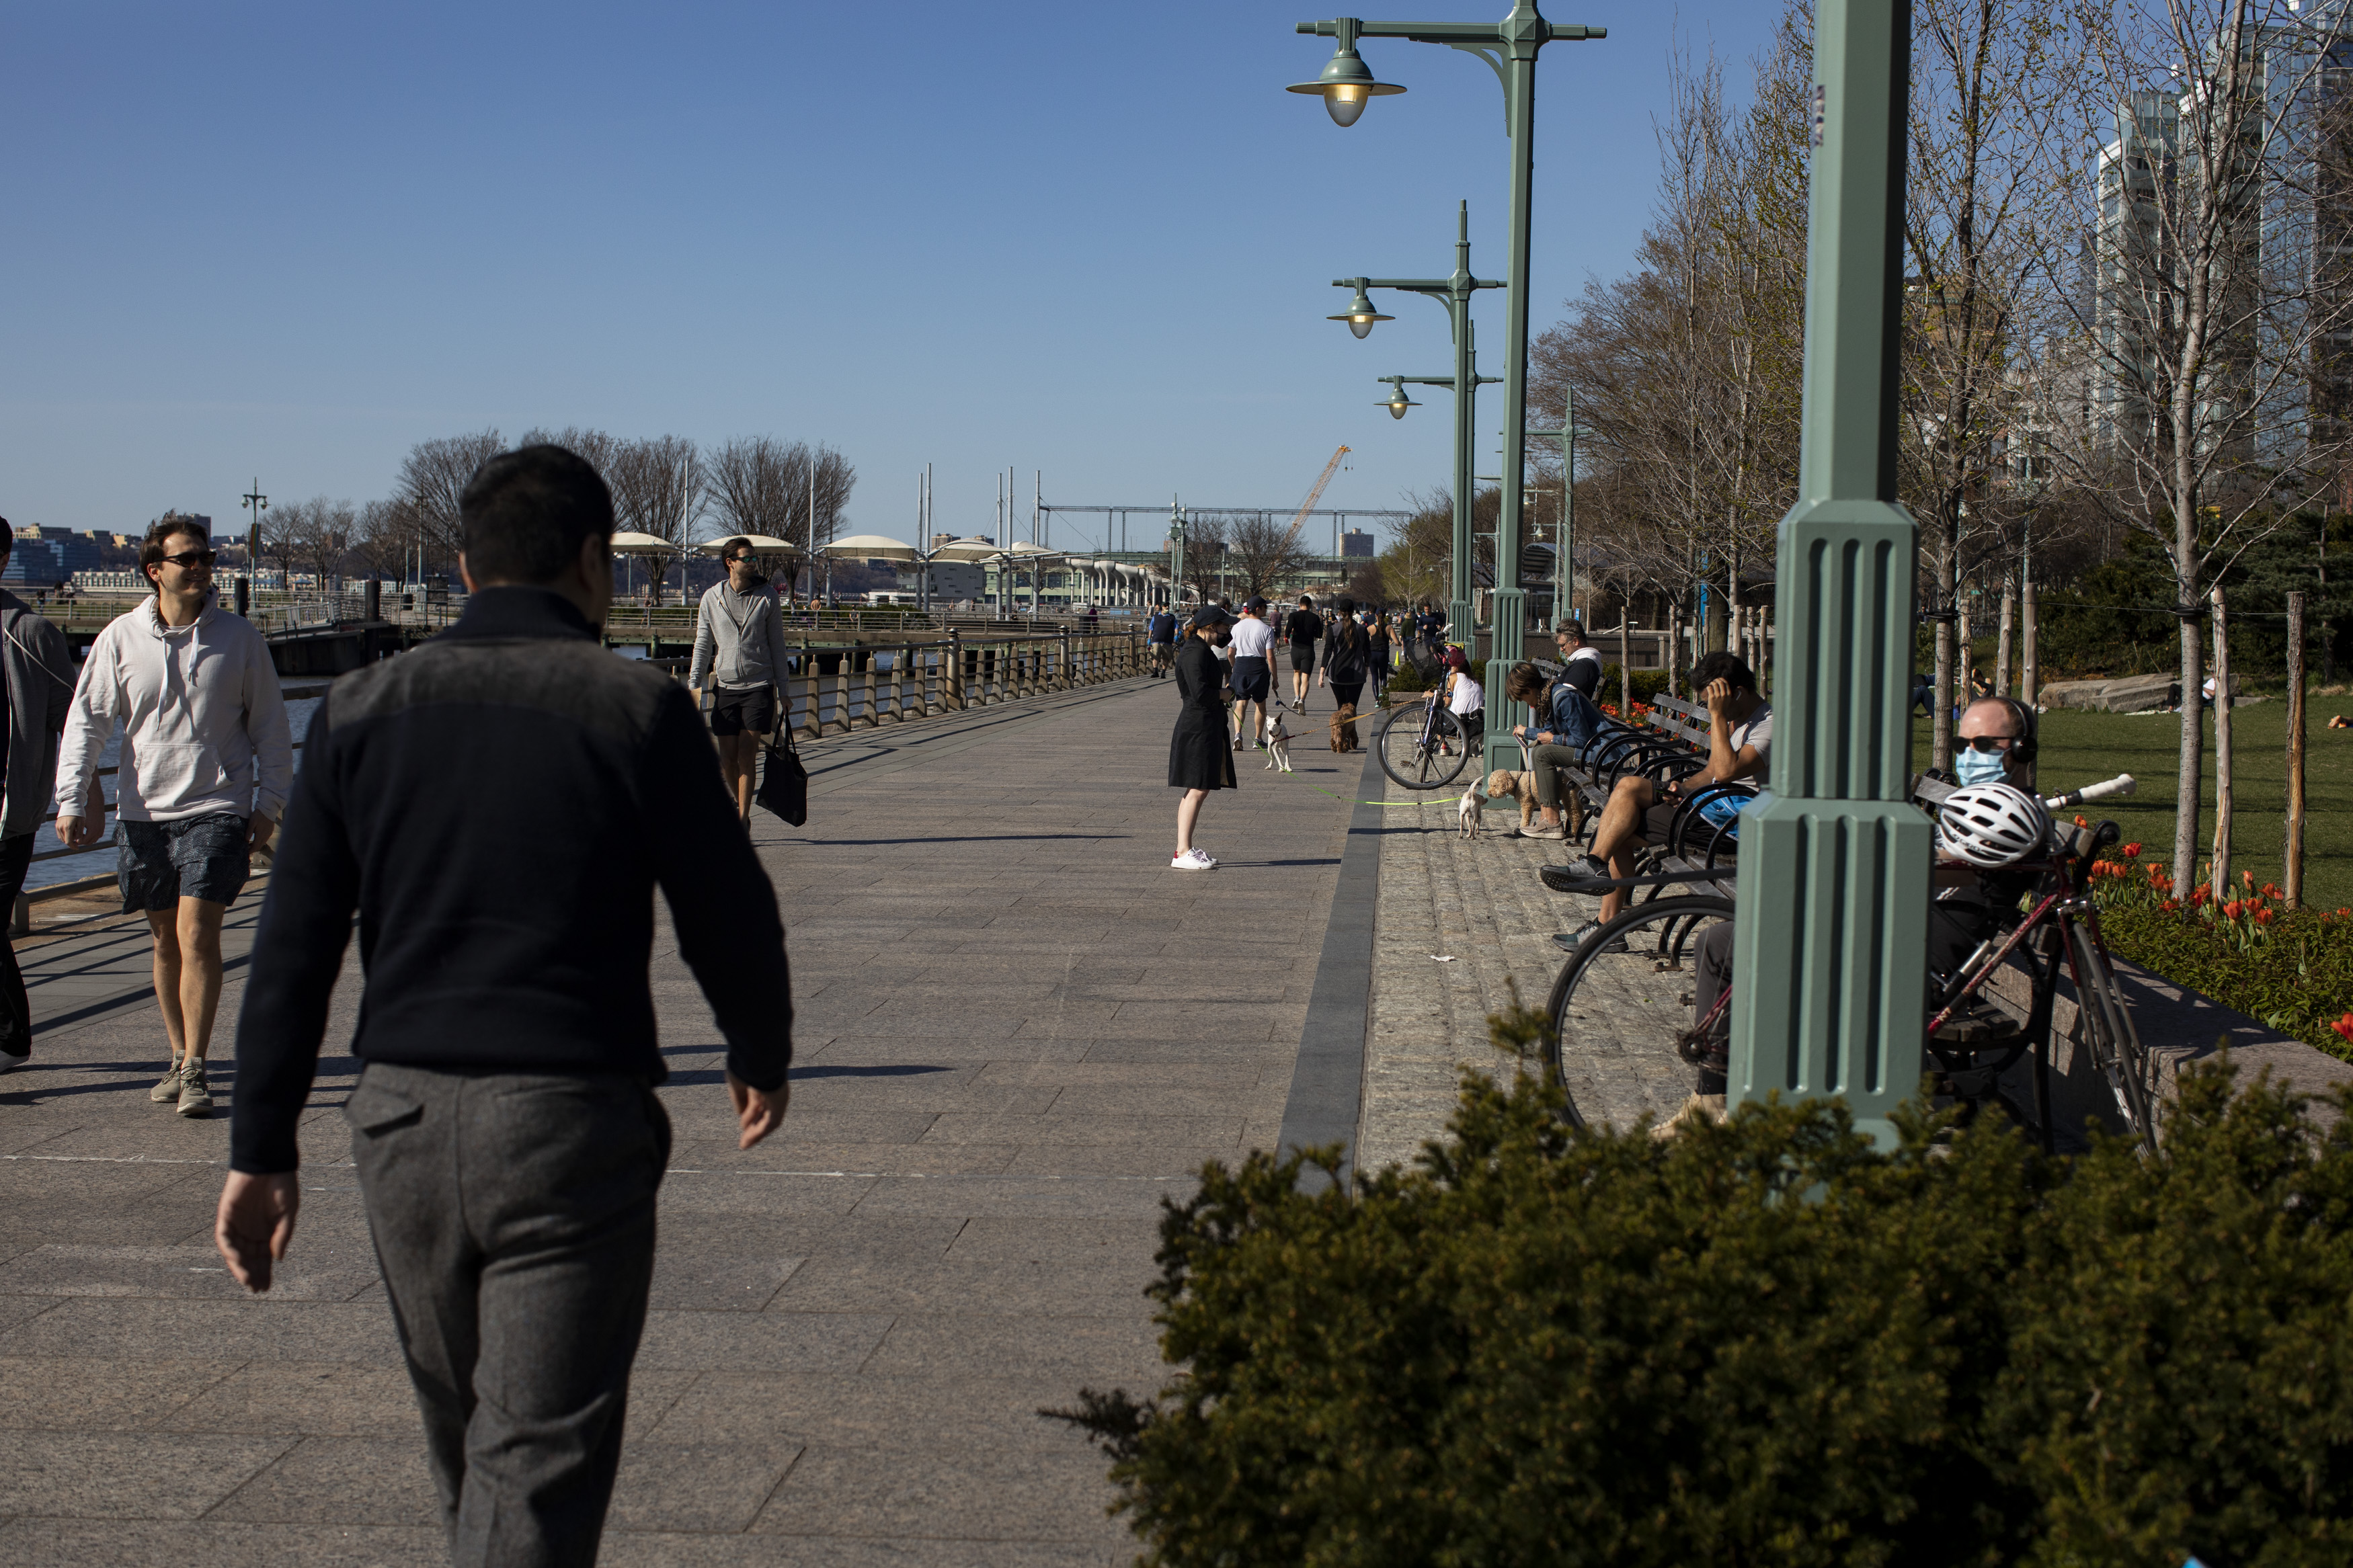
(2123, 784)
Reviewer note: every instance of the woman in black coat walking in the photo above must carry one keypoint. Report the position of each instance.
(1198, 760)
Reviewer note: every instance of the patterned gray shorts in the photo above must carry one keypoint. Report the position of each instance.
(159, 863)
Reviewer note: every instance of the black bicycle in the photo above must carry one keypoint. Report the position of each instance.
(1422, 747)
(1607, 1002)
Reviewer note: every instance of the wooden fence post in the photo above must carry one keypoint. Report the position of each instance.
(2028, 673)
(2222, 882)
(1626, 663)
(2292, 878)
(2001, 644)
(953, 691)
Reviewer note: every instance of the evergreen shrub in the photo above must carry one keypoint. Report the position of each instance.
(1760, 1342)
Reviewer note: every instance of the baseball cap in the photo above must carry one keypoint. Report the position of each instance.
(1210, 616)
(1255, 604)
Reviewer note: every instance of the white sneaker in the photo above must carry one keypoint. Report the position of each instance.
(10, 1061)
(1192, 860)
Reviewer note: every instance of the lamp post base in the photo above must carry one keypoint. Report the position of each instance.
(1838, 1004)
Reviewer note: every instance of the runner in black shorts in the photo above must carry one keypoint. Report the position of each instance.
(1305, 630)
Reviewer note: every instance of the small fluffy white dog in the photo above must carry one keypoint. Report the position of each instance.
(1468, 812)
(1278, 743)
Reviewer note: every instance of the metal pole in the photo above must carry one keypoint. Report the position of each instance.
(1521, 40)
(1461, 613)
(1828, 995)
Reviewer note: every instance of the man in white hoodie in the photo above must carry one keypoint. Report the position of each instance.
(206, 764)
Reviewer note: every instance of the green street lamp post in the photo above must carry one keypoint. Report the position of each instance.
(1828, 990)
(1509, 48)
(1176, 560)
(1453, 294)
(1564, 562)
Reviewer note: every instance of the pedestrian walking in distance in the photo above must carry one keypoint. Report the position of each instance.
(499, 806)
(39, 685)
(1198, 761)
(205, 761)
(739, 647)
(1252, 640)
(1305, 630)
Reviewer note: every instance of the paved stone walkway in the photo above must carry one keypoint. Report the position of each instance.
(1464, 923)
(1018, 1032)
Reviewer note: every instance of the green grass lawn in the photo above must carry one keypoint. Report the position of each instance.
(2084, 748)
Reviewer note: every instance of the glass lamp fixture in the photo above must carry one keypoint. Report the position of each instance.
(1360, 314)
(1396, 403)
(1346, 85)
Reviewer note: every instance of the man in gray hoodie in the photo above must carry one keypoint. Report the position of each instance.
(40, 669)
(208, 757)
(739, 645)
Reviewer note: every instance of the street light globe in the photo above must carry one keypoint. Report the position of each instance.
(1398, 402)
(1346, 85)
(1360, 314)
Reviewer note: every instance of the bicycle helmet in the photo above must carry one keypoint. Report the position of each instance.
(1992, 825)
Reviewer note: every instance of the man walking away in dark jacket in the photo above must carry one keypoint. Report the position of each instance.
(39, 670)
(507, 1136)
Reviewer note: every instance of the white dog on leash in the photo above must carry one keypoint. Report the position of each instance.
(1278, 743)
(1468, 812)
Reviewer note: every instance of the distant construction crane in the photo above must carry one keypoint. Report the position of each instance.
(1313, 496)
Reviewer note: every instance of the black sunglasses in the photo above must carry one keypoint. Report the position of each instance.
(193, 558)
(1987, 743)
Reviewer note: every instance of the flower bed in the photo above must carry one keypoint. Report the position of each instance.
(2291, 968)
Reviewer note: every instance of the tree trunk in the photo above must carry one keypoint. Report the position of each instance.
(1940, 720)
(2292, 877)
(1965, 657)
(2187, 774)
(2222, 750)
(2001, 645)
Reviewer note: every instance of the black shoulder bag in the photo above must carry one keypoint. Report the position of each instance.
(784, 782)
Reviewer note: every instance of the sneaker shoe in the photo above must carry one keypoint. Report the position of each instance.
(167, 1088)
(1191, 861)
(10, 1061)
(1572, 940)
(196, 1094)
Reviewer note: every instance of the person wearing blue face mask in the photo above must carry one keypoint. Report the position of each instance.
(1994, 744)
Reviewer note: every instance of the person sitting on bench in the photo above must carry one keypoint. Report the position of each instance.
(1564, 724)
(1739, 732)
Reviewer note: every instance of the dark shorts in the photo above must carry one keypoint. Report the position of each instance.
(738, 712)
(1660, 820)
(1303, 660)
(159, 863)
(1252, 680)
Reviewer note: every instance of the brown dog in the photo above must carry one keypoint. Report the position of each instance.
(1344, 728)
(1515, 785)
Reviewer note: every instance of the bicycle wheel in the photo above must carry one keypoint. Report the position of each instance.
(2103, 1026)
(1414, 762)
(1619, 1019)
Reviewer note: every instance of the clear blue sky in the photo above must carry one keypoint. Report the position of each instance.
(290, 240)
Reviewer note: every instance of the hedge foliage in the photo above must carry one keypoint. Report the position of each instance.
(1759, 1342)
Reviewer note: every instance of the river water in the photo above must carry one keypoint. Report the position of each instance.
(102, 861)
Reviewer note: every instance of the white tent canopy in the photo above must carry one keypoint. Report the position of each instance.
(762, 544)
(873, 547)
(967, 551)
(632, 543)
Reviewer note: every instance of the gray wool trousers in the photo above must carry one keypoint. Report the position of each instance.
(513, 1220)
